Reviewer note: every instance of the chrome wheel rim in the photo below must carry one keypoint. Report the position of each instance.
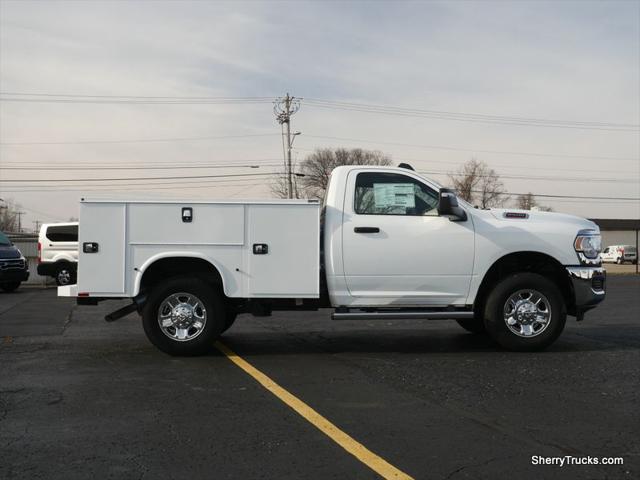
(182, 317)
(527, 313)
(64, 277)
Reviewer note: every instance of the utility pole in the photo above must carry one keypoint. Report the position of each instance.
(19, 214)
(37, 224)
(283, 108)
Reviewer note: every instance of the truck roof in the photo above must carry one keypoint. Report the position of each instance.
(295, 201)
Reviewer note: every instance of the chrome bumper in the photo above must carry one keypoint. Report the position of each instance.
(589, 286)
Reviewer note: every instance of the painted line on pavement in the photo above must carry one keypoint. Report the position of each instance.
(355, 448)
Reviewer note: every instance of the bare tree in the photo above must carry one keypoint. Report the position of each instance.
(527, 201)
(280, 186)
(476, 183)
(317, 167)
(9, 216)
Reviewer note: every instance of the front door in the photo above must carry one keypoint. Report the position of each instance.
(396, 249)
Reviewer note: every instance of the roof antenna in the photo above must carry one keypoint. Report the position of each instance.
(407, 166)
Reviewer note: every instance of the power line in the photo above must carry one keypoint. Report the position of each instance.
(122, 188)
(133, 96)
(531, 177)
(143, 163)
(128, 99)
(544, 195)
(474, 150)
(322, 103)
(470, 117)
(168, 167)
(144, 140)
(422, 146)
(501, 165)
(174, 181)
(133, 178)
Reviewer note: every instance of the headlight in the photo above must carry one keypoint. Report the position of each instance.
(589, 243)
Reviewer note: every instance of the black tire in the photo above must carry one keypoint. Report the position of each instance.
(65, 275)
(213, 326)
(494, 315)
(619, 261)
(10, 287)
(230, 318)
(472, 325)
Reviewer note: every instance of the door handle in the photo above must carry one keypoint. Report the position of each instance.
(366, 230)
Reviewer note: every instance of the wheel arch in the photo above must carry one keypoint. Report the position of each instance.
(525, 261)
(173, 264)
(63, 258)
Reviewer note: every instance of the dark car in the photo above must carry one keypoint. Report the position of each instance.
(14, 268)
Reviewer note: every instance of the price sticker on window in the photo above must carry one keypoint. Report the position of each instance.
(394, 195)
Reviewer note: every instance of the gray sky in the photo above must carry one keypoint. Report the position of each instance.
(576, 62)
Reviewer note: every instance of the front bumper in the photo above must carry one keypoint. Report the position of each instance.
(10, 276)
(589, 287)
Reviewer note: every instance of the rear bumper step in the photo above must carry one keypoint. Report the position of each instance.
(400, 315)
(136, 305)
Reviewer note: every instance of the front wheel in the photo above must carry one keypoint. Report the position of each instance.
(525, 312)
(184, 316)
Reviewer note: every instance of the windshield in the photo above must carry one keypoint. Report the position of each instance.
(4, 240)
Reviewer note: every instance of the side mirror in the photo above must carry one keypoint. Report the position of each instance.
(448, 206)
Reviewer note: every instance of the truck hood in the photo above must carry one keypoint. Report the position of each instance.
(527, 217)
(8, 252)
(505, 231)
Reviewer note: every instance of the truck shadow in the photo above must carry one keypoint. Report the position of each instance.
(418, 342)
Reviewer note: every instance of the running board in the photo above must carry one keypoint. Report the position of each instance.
(410, 315)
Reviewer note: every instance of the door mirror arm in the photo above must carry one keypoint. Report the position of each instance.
(448, 206)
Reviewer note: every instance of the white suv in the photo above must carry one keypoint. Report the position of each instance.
(620, 254)
(58, 252)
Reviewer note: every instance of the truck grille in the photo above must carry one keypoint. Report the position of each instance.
(17, 264)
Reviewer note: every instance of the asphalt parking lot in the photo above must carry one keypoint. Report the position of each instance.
(81, 398)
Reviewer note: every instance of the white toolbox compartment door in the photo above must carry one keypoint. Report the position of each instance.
(102, 272)
(290, 268)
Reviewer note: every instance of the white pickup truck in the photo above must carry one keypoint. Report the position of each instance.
(387, 244)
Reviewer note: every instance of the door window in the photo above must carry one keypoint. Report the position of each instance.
(379, 193)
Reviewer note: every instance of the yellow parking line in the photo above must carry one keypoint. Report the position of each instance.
(362, 453)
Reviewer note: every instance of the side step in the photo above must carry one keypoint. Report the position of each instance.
(402, 315)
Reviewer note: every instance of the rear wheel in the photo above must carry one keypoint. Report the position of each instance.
(65, 275)
(525, 312)
(10, 287)
(184, 316)
(472, 325)
(619, 260)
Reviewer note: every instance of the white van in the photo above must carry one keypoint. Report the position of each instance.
(58, 252)
(620, 254)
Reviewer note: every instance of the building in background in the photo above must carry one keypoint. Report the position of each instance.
(618, 231)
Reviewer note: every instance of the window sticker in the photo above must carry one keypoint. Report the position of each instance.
(394, 195)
